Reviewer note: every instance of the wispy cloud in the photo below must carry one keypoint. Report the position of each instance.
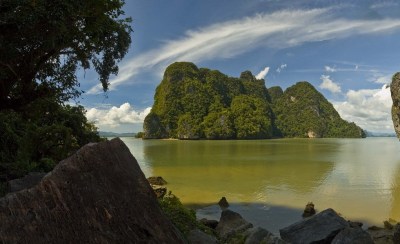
(330, 69)
(280, 68)
(262, 73)
(329, 84)
(276, 30)
(116, 116)
(380, 78)
(368, 108)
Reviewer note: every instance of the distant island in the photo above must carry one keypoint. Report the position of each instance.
(199, 103)
(114, 134)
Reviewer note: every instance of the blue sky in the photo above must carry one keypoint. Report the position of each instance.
(347, 49)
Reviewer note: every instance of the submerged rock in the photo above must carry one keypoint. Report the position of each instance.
(309, 210)
(320, 228)
(98, 195)
(395, 93)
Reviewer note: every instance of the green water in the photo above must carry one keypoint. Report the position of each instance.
(274, 179)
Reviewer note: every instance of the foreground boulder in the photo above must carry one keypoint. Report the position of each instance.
(353, 236)
(98, 195)
(320, 228)
(395, 93)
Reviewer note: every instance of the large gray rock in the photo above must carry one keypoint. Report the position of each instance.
(259, 235)
(320, 228)
(98, 195)
(231, 223)
(395, 92)
(352, 236)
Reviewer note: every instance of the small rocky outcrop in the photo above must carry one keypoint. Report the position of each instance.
(320, 228)
(395, 93)
(157, 180)
(230, 224)
(309, 210)
(97, 195)
(223, 203)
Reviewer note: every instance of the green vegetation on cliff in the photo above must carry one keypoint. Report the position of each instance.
(193, 103)
(302, 111)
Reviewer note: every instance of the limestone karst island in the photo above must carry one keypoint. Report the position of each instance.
(199, 103)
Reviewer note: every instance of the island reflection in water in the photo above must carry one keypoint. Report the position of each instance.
(359, 178)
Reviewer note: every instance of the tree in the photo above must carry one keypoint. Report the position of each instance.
(44, 42)
(41, 136)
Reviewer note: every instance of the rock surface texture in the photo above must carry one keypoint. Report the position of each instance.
(395, 92)
(231, 223)
(320, 228)
(98, 195)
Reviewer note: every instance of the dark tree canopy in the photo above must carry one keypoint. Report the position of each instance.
(44, 42)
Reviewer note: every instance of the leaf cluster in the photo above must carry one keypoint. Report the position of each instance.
(41, 136)
(44, 43)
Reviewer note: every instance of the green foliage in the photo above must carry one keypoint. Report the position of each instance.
(44, 43)
(302, 109)
(252, 117)
(275, 92)
(219, 125)
(183, 218)
(139, 134)
(192, 103)
(41, 136)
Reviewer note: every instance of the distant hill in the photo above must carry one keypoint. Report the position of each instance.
(113, 134)
(193, 103)
(380, 134)
(302, 111)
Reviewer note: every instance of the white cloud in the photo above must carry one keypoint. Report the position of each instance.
(368, 108)
(329, 84)
(116, 116)
(330, 69)
(382, 79)
(277, 30)
(280, 68)
(262, 73)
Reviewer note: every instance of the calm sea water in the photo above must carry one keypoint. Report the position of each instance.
(270, 181)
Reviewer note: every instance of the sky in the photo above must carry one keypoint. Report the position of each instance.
(348, 50)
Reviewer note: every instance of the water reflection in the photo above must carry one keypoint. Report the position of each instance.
(358, 178)
(246, 171)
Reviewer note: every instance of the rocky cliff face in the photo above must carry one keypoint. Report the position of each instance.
(395, 92)
(98, 195)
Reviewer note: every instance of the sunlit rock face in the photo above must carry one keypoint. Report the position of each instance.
(395, 92)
